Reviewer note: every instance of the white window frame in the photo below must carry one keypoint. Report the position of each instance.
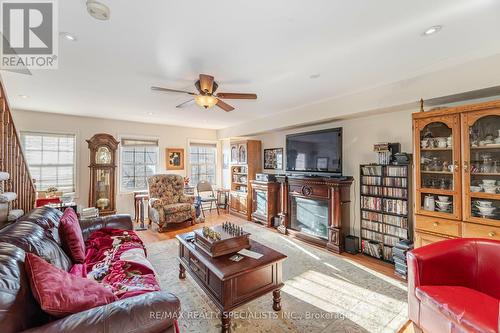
(120, 162)
(75, 155)
(217, 162)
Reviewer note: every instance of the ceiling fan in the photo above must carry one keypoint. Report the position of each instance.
(206, 96)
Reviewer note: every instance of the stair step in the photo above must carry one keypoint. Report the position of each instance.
(4, 176)
(8, 196)
(15, 214)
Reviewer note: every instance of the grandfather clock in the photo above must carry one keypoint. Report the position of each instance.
(103, 173)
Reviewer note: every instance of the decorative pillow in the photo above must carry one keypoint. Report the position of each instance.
(59, 293)
(78, 270)
(71, 236)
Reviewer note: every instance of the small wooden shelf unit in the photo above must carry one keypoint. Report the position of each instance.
(385, 208)
(246, 161)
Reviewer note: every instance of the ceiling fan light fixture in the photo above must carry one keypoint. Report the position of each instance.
(205, 101)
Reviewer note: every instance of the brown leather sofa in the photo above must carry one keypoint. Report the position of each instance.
(37, 232)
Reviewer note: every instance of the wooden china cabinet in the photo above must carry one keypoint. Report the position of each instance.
(457, 173)
(102, 166)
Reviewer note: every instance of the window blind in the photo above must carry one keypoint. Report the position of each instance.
(203, 162)
(51, 159)
(139, 159)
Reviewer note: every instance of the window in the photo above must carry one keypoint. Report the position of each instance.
(51, 159)
(139, 159)
(202, 161)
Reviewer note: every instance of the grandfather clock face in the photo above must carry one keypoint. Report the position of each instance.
(103, 155)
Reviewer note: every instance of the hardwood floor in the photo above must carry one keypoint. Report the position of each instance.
(151, 235)
(409, 327)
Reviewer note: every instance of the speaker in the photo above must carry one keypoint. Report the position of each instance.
(351, 244)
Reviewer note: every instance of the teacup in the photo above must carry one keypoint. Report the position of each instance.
(490, 189)
(489, 182)
(424, 143)
(443, 198)
(486, 210)
(443, 204)
(475, 188)
(482, 203)
(442, 144)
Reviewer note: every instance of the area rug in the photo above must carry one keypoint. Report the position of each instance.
(323, 293)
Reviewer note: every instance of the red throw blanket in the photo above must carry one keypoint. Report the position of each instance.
(117, 259)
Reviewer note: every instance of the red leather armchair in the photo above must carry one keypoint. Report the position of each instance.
(454, 286)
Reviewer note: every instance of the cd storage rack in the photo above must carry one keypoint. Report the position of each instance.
(385, 208)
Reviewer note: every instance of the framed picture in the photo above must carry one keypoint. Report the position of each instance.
(322, 163)
(273, 158)
(175, 158)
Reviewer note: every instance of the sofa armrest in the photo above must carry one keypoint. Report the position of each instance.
(187, 199)
(117, 221)
(451, 262)
(157, 203)
(147, 313)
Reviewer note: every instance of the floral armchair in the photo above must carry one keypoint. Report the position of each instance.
(167, 202)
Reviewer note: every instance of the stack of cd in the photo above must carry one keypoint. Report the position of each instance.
(399, 257)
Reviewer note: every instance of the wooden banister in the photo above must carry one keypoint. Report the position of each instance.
(12, 159)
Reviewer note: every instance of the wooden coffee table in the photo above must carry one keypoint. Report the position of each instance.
(231, 284)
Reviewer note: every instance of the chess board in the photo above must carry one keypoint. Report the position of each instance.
(231, 241)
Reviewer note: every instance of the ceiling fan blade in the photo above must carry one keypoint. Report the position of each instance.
(172, 90)
(206, 83)
(224, 106)
(184, 104)
(236, 96)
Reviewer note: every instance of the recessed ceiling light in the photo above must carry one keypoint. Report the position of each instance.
(315, 76)
(98, 10)
(432, 30)
(68, 36)
(24, 96)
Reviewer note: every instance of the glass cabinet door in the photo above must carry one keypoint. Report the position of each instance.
(481, 165)
(437, 166)
(103, 189)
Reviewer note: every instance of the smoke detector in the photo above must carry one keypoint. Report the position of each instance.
(98, 10)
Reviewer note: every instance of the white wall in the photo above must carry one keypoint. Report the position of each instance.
(359, 135)
(85, 127)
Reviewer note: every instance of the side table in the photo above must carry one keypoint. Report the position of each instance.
(223, 193)
(140, 198)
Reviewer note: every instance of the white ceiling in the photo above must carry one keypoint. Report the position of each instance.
(270, 48)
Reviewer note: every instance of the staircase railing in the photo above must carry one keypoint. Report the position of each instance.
(12, 159)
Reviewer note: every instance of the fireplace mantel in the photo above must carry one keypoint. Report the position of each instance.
(333, 191)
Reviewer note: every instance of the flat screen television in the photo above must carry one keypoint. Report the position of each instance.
(315, 152)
